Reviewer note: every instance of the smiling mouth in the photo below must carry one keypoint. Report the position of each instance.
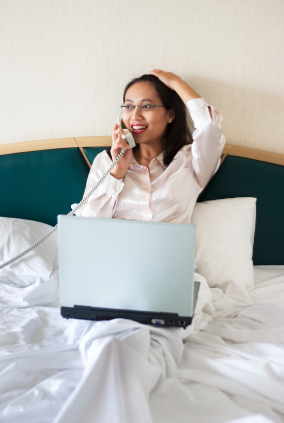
(138, 129)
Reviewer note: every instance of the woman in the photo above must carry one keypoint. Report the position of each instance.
(160, 178)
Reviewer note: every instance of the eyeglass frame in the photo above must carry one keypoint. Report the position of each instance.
(140, 107)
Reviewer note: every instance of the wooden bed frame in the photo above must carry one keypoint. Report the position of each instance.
(41, 179)
(105, 141)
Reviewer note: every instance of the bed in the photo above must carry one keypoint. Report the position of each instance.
(228, 366)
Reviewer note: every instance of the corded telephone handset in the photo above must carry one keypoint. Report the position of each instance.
(128, 137)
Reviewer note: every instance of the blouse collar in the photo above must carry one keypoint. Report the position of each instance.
(159, 158)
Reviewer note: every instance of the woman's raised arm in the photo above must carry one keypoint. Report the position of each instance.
(208, 138)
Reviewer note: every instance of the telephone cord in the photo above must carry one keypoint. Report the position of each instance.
(71, 213)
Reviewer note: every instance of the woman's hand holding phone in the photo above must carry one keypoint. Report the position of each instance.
(118, 143)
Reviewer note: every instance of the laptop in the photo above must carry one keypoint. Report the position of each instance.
(116, 268)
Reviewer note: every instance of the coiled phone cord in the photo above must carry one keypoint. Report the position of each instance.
(71, 213)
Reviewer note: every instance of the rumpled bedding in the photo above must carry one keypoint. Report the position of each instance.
(228, 366)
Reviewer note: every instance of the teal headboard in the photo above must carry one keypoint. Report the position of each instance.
(91, 152)
(242, 177)
(39, 185)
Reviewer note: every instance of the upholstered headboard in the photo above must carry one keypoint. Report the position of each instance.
(250, 177)
(42, 179)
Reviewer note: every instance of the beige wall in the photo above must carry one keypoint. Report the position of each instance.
(64, 63)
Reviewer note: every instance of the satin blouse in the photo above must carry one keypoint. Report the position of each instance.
(160, 193)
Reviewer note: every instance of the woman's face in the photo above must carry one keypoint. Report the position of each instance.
(146, 126)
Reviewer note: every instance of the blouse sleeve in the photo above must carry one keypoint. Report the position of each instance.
(102, 202)
(208, 140)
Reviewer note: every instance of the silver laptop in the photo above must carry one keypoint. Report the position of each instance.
(113, 268)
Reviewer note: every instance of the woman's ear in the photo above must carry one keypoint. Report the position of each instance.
(171, 116)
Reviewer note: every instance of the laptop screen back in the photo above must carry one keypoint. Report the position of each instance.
(123, 264)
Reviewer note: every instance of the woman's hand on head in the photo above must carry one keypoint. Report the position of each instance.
(168, 78)
(177, 84)
(118, 143)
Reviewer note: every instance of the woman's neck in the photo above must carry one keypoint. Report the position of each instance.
(144, 153)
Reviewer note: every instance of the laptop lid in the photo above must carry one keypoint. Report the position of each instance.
(114, 264)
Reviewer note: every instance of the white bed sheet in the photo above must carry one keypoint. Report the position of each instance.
(227, 367)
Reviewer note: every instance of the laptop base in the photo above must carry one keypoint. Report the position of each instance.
(146, 318)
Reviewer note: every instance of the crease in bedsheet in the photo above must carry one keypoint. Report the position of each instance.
(41, 292)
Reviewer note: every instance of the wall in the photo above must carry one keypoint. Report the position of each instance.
(64, 63)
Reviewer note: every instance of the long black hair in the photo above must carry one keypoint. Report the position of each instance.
(177, 132)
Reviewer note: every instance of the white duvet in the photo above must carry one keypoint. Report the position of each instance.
(228, 366)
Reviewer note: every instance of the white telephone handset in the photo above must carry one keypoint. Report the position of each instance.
(128, 137)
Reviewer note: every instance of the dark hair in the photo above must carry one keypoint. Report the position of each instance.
(177, 133)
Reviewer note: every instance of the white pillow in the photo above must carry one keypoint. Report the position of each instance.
(15, 236)
(224, 241)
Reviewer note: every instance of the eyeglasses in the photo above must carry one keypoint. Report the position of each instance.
(141, 107)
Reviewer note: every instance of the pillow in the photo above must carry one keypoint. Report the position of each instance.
(15, 236)
(224, 241)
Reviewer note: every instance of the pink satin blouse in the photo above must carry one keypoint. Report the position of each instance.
(160, 193)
